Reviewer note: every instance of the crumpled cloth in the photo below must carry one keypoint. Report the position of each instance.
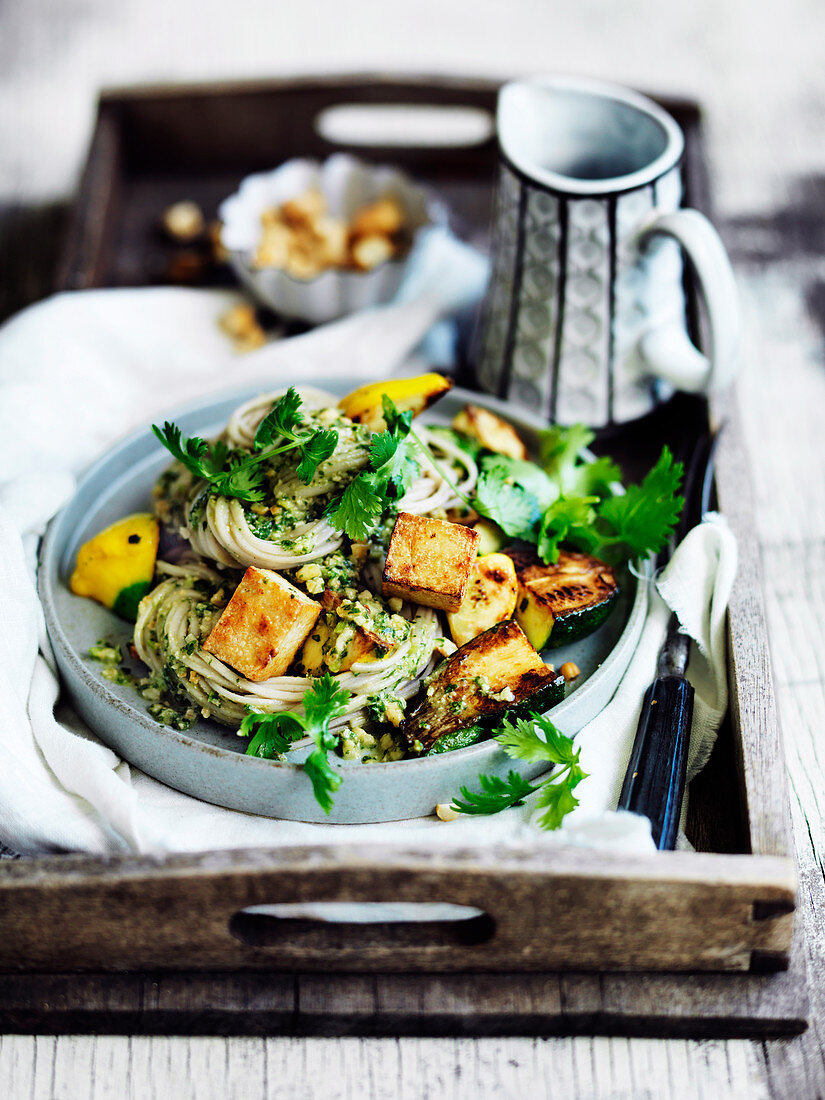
(77, 372)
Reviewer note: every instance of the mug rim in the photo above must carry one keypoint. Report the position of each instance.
(553, 181)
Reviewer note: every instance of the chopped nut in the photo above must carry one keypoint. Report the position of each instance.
(219, 253)
(445, 811)
(369, 252)
(381, 218)
(302, 238)
(569, 671)
(241, 324)
(183, 221)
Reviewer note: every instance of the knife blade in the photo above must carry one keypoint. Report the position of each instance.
(654, 783)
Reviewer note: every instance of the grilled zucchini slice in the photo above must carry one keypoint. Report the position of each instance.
(563, 602)
(491, 431)
(490, 598)
(496, 672)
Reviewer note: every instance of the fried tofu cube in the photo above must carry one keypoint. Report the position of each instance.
(263, 626)
(429, 561)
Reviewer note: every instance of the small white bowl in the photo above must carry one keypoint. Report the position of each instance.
(347, 184)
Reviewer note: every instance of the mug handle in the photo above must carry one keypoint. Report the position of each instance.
(667, 350)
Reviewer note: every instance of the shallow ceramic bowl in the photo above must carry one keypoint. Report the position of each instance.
(347, 184)
(208, 760)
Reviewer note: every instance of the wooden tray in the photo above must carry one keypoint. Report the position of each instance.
(198, 963)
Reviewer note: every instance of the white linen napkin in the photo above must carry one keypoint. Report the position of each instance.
(78, 371)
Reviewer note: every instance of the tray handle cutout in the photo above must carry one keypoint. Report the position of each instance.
(407, 925)
(410, 125)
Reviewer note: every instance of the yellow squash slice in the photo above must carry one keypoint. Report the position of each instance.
(490, 598)
(364, 405)
(117, 565)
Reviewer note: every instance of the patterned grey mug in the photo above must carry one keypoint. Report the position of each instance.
(584, 318)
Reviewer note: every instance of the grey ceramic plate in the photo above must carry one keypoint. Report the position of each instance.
(208, 760)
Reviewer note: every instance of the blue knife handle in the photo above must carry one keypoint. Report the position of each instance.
(655, 779)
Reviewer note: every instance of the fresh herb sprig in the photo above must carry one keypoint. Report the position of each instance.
(274, 734)
(565, 500)
(388, 475)
(533, 739)
(240, 474)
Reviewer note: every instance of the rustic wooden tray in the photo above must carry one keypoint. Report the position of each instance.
(193, 960)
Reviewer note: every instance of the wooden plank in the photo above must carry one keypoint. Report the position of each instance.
(89, 235)
(267, 1003)
(558, 909)
(752, 700)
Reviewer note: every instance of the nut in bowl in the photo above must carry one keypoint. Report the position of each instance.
(315, 241)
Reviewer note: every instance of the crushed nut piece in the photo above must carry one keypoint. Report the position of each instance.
(242, 325)
(569, 671)
(445, 811)
(183, 221)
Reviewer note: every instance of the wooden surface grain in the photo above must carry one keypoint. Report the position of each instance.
(758, 69)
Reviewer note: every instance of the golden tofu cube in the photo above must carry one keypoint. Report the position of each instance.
(263, 626)
(429, 561)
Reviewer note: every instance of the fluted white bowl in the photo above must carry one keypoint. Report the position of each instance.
(347, 184)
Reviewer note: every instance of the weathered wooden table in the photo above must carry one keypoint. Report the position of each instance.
(761, 78)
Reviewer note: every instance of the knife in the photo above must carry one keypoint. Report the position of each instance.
(654, 783)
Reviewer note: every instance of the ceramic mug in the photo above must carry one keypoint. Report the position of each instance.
(584, 318)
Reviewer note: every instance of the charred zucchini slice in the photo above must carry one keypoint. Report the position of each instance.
(496, 672)
(459, 739)
(563, 602)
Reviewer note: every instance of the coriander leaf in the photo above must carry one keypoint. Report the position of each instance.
(315, 450)
(527, 475)
(495, 794)
(242, 480)
(358, 508)
(559, 800)
(276, 732)
(559, 448)
(274, 736)
(324, 778)
(324, 700)
(642, 519)
(533, 740)
(570, 520)
(193, 453)
(280, 421)
(391, 469)
(399, 424)
(589, 479)
(514, 509)
(536, 738)
(393, 461)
